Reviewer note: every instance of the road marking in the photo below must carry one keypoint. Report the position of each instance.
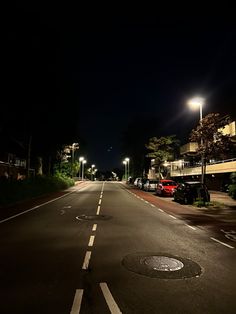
(229, 246)
(33, 208)
(67, 206)
(147, 202)
(160, 210)
(152, 205)
(190, 227)
(94, 227)
(77, 301)
(91, 240)
(62, 212)
(100, 196)
(86, 260)
(172, 216)
(98, 210)
(113, 307)
(100, 201)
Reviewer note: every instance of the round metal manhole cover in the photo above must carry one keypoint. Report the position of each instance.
(161, 265)
(93, 217)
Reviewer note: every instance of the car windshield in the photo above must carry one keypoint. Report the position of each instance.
(169, 183)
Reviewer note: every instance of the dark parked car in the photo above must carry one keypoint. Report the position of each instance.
(189, 192)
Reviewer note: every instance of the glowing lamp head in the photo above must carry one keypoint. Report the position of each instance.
(196, 102)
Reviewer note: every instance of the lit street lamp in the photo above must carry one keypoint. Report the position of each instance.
(125, 163)
(80, 166)
(73, 147)
(83, 162)
(195, 103)
(127, 160)
(92, 172)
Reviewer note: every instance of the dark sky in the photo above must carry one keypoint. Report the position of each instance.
(80, 76)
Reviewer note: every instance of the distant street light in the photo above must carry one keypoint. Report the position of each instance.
(83, 163)
(73, 147)
(80, 166)
(125, 163)
(127, 160)
(92, 172)
(195, 103)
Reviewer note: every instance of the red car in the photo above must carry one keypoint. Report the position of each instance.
(166, 187)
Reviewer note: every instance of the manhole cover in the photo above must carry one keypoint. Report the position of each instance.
(93, 217)
(161, 265)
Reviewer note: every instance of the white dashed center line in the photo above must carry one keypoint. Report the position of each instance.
(91, 240)
(86, 260)
(98, 210)
(94, 227)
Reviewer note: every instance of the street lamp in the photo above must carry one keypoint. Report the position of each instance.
(80, 166)
(92, 172)
(195, 103)
(73, 147)
(127, 160)
(125, 163)
(83, 162)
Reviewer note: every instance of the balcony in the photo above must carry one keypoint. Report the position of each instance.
(181, 168)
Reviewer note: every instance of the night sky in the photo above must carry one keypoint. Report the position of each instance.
(88, 77)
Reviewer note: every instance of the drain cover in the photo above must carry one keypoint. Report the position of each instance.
(161, 265)
(93, 217)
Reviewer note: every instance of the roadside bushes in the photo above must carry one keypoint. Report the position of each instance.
(232, 191)
(232, 187)
(15, 191)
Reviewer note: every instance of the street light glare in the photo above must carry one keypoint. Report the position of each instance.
(196, 102)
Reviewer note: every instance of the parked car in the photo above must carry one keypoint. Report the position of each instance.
(141, 183)
(189, 192)
(150, 185)
(166, 187)
(136, 181)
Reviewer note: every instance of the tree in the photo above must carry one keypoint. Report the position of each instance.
(162, 149)
(212, 142)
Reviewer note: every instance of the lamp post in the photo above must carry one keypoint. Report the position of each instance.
(195, 103)
(80, 166)
(125, 163)
(83, 162)
(127, 160)
(92, 172)
(73, 147)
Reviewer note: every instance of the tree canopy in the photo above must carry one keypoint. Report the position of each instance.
(212, 142)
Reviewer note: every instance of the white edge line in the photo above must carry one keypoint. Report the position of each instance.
(160, 210)
(33, 208)
(229, 246)
(91, 240)
(94, 227)
(86, 260)
(146, 202)
(113, 307)
(77, 301)
(172, 216)
(152, 205)
(191, 227)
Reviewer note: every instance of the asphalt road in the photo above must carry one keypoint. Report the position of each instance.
(103, 248)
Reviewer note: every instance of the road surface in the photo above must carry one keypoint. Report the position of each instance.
(103, 248)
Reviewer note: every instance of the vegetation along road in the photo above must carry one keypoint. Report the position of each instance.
(106, 248)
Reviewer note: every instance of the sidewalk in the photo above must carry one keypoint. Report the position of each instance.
(222, 198)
